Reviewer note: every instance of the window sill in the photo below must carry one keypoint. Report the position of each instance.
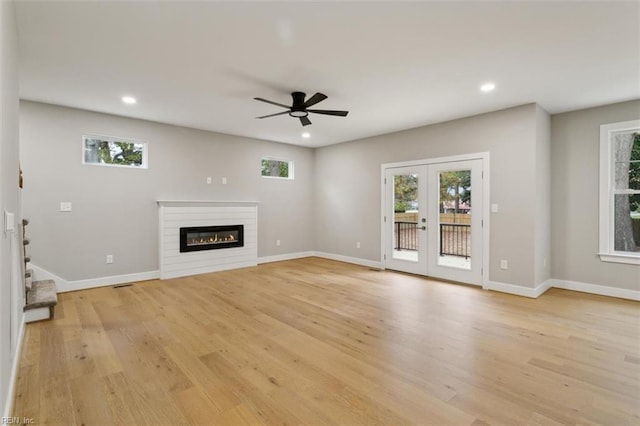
(631, 259)
(278, 177)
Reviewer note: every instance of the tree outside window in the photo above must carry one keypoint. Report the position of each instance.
(455, 187)
(626, 191)
(103, 150)
(275, 168)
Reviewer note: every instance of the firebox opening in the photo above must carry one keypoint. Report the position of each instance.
(211, 237)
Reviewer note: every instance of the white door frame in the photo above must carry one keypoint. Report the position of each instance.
(485, 157)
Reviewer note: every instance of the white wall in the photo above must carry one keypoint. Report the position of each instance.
(575, 142)
(11, 288)
(347, 187)
(114, 209)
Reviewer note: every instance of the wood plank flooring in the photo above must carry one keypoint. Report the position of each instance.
(318, 342)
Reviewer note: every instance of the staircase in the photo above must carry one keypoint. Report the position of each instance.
(41, 296)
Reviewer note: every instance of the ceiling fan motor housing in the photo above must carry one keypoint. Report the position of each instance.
(298, 109)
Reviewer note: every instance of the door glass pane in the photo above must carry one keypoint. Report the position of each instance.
(454, 225)
(405, 217)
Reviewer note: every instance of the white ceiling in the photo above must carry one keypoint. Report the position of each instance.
(392, 65)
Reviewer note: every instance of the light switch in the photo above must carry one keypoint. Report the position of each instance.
(65, 206)
(224, 180)
(494, 208)
(208, 180)
(9, 221)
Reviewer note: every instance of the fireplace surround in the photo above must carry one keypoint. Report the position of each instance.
(237, 227)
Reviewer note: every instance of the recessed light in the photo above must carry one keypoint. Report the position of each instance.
(306, 135)
(129, 100)
(487, 87)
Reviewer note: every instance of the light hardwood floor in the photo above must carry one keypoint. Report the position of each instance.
(317, 342)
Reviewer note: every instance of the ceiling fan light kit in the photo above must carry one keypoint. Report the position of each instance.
(299, 108)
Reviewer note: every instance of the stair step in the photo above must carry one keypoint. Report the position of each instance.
(43, 294)
(28, 279)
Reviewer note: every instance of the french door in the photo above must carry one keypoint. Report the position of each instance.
(433, 220)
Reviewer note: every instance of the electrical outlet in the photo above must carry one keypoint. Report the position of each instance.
(224, 180)
(494, 208)
(358, 244)
(504, 264)
(208, 180)
(109, 258)
(278, 243)
(65, 206)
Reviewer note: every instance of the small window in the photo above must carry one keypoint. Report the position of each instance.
(275, 168)
(620, 192)
(110, 151)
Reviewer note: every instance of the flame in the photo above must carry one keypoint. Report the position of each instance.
(214, 239)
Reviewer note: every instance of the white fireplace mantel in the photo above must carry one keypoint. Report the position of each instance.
(176, 214)
(183, 203)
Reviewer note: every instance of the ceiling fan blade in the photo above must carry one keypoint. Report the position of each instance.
(318, 97)
(329, 112)
(272, 103)
(305, 121)
(273, 115)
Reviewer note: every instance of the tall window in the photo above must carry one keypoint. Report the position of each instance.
(620, 192)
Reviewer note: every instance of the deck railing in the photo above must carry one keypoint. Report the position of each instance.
(455, 239)
(406, 235)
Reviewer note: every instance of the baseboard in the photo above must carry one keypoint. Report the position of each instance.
(64, 286)
(596, 289)
(347, 259)
(331, 256)
(519, 290)
(39, 314)
(15, 365)
(106, 281)
(282, 257)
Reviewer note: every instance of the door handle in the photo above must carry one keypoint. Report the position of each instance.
(423, 227)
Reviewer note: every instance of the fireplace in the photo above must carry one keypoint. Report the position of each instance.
(211, 237)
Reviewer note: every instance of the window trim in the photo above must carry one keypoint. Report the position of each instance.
(606, 243)
(145, 150)
(290, 168)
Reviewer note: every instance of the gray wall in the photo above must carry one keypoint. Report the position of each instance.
(11, 288)
(543, 259)
(347, 187)
(114, 209)
(541, 176)
(575, 144)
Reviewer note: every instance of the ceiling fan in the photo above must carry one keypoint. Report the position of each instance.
(299, 108)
